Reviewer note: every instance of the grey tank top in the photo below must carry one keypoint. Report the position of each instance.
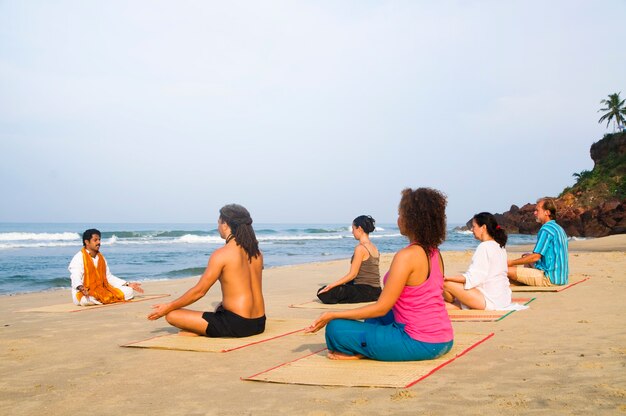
(369, 272)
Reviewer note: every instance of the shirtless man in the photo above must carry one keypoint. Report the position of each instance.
(238, 266)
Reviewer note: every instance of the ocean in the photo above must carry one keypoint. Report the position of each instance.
(34, 256)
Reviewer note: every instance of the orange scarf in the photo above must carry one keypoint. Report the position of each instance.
(96, 282)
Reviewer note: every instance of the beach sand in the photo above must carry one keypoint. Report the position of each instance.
(564, 355)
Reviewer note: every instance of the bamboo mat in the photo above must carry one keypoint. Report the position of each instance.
(474, 315)
(70, 307)
(455, 315)
(317, 304)
(524, 288)
(316, 369)
(274, 328)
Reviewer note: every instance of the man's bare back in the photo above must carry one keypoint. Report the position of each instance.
(241, 281)
(238, 266)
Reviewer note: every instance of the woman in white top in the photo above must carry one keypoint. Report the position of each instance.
(485, 285)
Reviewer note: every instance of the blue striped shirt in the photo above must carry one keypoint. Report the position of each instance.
(552, 245)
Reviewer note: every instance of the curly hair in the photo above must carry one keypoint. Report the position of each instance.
(424, 213)
(240, 223)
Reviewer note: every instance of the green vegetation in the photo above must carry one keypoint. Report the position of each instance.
(605, 180)
(614, 111)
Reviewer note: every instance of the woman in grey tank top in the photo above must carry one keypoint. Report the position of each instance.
(362, 282)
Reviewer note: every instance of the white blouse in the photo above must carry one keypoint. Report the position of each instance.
(487, 273)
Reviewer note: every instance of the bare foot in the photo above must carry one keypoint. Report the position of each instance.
(187, 334)
(334, 355)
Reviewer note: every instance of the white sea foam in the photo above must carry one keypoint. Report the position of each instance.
(385, 235)
(185, 239)
(21, 240)
(67, 236)
(301, 237)
(38, 244)
(466, 232)
(196, 239)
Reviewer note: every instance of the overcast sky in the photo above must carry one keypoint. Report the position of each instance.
(303, 111)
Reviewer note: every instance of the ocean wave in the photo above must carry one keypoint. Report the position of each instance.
(114, 239)
(319, 230)
(126, 234)
(302, 237)
(185, 239)
(464, 232)
(190, 271)
(36, 281)
(38, 244)
(372, 236)
(182, 233)
(195, 239)
(16, 236)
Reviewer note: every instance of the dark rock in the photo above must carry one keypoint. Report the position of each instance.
(583, 211)
(602, 149)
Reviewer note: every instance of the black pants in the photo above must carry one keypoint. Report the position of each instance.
(349, 293)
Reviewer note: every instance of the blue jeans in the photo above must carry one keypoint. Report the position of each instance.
(380, 339)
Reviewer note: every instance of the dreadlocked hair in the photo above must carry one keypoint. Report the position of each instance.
(240, 223)
(424, 212)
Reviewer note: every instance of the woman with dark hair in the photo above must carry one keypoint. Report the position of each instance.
(362, 282)
(485, 285)
(409, 320)
(238, 266)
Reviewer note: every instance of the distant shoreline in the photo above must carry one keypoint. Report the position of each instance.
(610, 243)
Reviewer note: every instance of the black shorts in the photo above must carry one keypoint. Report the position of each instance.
(226, 324)
(349, 293)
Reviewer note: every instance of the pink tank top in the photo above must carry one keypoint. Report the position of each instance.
(422, 309)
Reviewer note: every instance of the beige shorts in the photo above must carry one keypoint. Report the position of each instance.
(532, 277)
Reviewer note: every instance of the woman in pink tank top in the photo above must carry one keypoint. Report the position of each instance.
(409, 321)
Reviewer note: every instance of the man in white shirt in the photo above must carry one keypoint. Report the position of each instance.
(110, 288)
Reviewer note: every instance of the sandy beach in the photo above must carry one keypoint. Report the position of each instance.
(564, 355)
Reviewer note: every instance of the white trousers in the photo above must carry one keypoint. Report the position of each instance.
(129, 293)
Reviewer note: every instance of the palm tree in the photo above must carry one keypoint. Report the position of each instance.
(615, 111)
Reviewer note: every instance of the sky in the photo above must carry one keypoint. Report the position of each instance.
(302, 111)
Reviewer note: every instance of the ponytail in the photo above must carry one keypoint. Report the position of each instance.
(493, 229)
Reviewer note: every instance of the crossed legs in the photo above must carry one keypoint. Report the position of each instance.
(472, 298)
(191, 322)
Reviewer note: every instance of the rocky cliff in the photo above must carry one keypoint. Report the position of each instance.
(594, 206)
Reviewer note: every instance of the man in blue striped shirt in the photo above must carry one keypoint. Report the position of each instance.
(548, 261)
